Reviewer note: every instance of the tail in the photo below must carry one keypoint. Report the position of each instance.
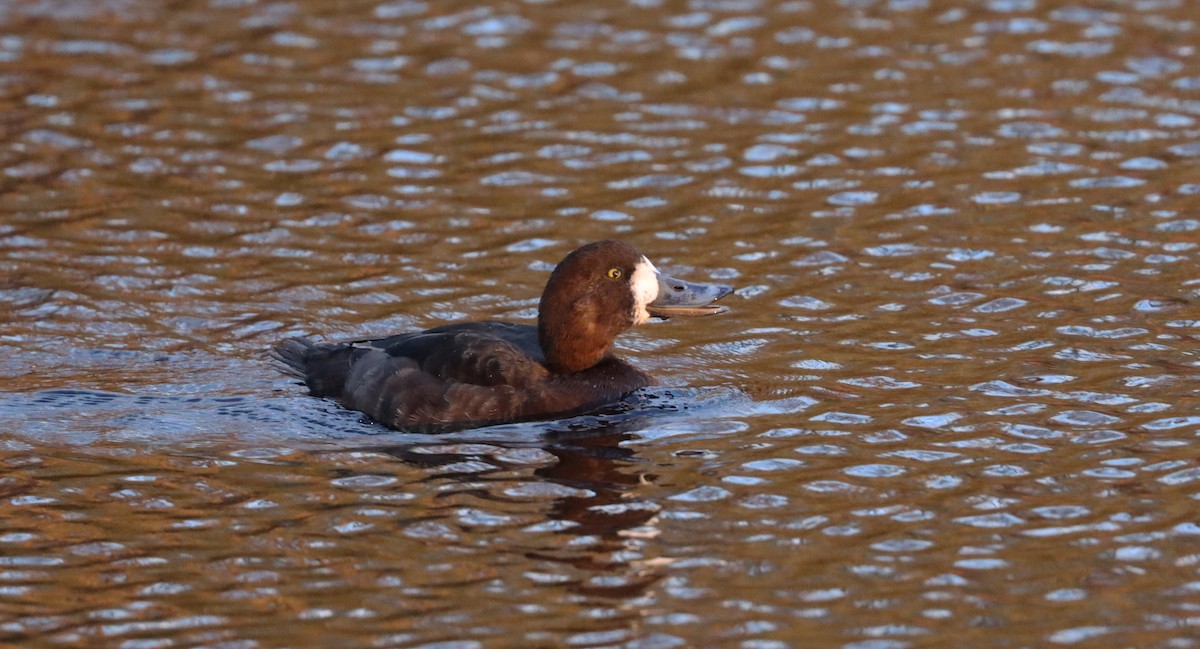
(323, 367)
(288, 357)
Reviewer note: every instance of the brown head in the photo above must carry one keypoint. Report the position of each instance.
(602, 289)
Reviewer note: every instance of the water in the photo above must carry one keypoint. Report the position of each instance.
(954, 402)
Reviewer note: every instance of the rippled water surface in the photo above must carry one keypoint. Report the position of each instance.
(954, 403)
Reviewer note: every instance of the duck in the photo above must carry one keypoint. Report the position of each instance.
(474, 374)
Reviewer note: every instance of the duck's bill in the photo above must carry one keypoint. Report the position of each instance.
(677, 298)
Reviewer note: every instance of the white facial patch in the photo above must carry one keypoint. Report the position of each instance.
(644, 285)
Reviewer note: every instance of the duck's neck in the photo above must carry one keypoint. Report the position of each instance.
(573, 341)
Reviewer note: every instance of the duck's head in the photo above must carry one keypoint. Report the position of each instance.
(604, 288)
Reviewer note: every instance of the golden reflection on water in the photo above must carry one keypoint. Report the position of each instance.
(954, 402)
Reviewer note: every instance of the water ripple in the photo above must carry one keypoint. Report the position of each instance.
(959, 355)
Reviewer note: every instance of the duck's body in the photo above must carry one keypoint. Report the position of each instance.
(479, 373)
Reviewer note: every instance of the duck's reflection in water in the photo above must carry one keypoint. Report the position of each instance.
(600, 522)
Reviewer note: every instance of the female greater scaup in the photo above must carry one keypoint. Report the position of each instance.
(480, 373)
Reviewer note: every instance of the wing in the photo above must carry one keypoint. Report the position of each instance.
(477, 353)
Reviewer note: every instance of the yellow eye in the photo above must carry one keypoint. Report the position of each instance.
(614, 272)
